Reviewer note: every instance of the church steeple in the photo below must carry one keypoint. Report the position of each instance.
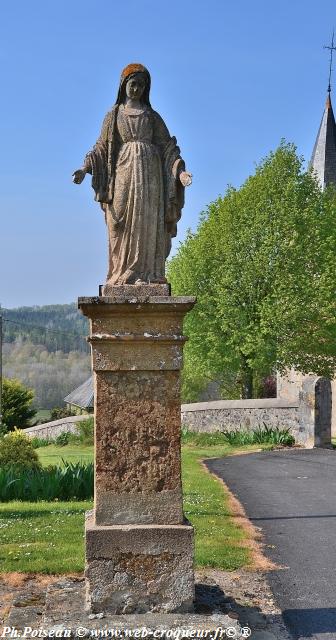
(323, 161)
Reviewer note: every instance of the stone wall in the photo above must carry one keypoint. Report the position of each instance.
(50, 430)
(228, 415)
(314, 395)
(303, 406)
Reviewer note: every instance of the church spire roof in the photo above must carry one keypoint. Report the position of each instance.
(323, 161)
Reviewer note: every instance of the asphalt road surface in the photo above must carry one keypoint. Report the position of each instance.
(291, 495)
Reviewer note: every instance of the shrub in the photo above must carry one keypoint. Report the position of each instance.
(239, 437)
(3, 430)
(17, 452)
(85, 430)
(40, 442)
(63, 438)
(42, 421)
(61, 412)
(17, 404)
(69, 482)
(261, 435)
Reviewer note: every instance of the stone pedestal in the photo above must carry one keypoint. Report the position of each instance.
(139, 548)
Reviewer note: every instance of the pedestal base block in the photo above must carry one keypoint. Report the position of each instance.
(139, 569)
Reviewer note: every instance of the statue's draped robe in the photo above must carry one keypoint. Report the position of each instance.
(135, 166)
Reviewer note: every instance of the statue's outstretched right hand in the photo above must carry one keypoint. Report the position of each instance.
(78, 176)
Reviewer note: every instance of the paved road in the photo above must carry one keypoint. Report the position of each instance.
(291, 495)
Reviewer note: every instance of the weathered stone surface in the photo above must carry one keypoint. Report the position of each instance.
(21, 617)
(67, 595)
(136, 333)
(27, 609)
(314, 397)
(132, 353)
(106, 541)
(138, 177)
(70, 612)
(138, 446)
(143, 290)
(50, 430)
(228, 415)
(126, 508)
(136, 336)
(230, 600)
(304, 407)
(137, 410)
(99, 306)
(139, 568)
(137, 354)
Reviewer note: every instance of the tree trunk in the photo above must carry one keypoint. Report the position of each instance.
(246, 379)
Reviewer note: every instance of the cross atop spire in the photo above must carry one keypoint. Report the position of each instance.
(331, 48)
(323, 160)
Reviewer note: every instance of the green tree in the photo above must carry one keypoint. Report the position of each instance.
(262, 265)
(17, 404)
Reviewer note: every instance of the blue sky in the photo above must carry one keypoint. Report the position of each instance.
(229, 78)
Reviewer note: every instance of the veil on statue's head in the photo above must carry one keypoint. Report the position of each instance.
(129, 71)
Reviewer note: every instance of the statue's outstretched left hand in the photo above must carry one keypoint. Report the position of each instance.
(185, 178)
(78, 176)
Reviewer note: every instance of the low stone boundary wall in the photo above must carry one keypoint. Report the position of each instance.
(228, 415)
(50, 430)
(308, 415)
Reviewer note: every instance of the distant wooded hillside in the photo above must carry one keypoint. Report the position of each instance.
(45, 348)
(59, 327)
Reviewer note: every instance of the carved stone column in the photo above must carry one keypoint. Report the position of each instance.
(139, 547)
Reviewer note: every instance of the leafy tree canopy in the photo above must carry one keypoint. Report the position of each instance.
(17, 400)
(262, 265)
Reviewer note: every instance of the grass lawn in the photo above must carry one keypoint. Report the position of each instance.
(48, 537)
(219, 541)
(70, 453)
(42, 537)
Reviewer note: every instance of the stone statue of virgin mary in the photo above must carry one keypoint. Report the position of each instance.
(138, 177)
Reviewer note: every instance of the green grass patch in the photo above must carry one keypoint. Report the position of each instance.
(42, 537)
(54, 455)
(54, 532)
(203, 439)
(219, 541)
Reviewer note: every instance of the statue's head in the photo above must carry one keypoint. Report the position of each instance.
(134, 83)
